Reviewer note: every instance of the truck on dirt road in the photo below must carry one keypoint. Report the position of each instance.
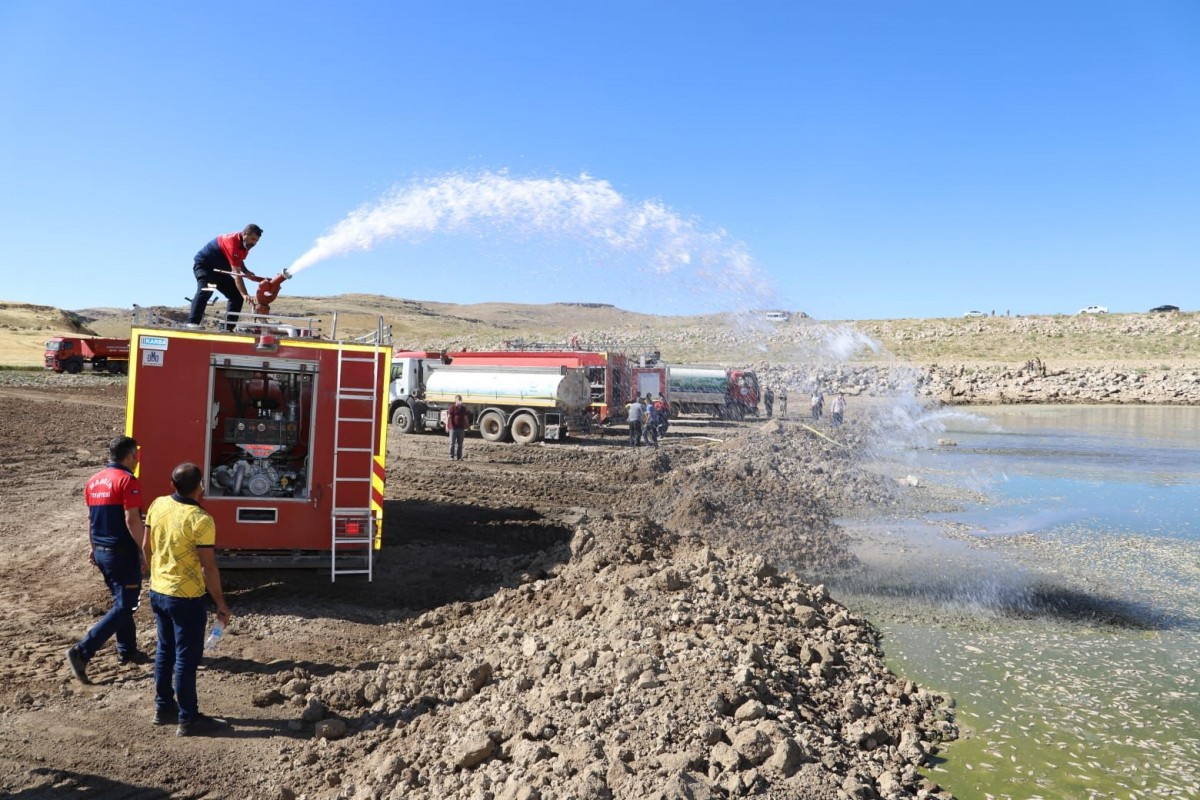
(72, 354)
(609, 373)
(523, 404)
(724, 393)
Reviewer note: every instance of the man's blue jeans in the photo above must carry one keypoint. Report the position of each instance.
(122, 572)
(181, 623)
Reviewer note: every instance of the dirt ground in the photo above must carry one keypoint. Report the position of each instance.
(454, 534)
(441, 522)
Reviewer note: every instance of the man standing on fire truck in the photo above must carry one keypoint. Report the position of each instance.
(222, 263)
(114, 500)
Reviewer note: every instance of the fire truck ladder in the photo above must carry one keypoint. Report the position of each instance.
(354, 524)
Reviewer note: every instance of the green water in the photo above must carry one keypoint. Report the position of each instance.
(1063, 615)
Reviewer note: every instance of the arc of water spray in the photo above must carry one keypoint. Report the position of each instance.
(583, 207)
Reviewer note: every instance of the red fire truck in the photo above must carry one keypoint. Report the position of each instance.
(288, 426)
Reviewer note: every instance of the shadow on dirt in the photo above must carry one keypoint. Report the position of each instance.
(276, 667)
(60, 784)
(432, 554)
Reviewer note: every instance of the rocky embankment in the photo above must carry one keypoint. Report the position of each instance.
(646, 666)
(662, 653)
(964, 384)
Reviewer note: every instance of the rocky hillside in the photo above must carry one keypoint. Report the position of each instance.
(1117, 358)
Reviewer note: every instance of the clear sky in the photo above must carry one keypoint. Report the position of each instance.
(867, 159)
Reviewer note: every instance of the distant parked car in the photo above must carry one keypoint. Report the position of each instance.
(974, 314)
(1094, 310)
(1163, 309)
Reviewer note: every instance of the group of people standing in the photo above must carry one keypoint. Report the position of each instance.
(837, 408)
(769, 401)
(816, 404)
(647, 421)
(174, 548)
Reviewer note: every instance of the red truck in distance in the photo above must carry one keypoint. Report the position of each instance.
(72, 354)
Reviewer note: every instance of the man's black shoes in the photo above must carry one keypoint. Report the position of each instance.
(77, 664)
(202, 725)
(166, 716)
(134, 657)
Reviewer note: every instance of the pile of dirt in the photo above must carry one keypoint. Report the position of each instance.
(645, 666)
(772, 489)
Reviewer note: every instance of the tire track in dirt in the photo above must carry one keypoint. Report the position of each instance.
(49, 592)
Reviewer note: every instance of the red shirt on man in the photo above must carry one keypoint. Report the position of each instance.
(109, 494)
(458, 418)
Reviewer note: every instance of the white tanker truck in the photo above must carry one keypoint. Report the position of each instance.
(521, 404)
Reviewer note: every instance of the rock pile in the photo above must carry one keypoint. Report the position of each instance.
(646, 666)
(659, 654)
(772, 490)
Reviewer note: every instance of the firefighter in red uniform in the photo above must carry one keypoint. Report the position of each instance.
(114, 500)
(212, 267)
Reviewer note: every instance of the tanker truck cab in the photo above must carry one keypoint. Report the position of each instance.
(406, 395)
(506, 403)
(743, 391)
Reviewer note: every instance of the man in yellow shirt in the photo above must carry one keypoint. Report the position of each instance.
(178, 546)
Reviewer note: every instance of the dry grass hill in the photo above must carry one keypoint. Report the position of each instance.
(1147, 339)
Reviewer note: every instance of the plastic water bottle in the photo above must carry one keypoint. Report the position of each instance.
(214, 637)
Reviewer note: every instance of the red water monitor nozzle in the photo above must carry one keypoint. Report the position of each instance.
(268, 290)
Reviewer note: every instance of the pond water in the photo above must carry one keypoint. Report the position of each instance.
(1062, 612)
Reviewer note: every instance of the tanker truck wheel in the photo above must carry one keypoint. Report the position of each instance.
(403, 417)
(74, 366)
(491, 427)
(524, 429)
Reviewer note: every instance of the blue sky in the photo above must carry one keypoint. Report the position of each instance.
(868, 159)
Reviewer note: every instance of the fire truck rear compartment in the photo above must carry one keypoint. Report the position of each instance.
(260, 433)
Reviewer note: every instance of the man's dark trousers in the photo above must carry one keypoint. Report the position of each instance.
(181, 623)
(225, 285)
(122, 572)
